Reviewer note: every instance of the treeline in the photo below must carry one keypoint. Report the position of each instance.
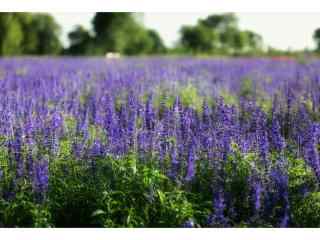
(219, 34)
(29, 34)
(39, 34)
(114, 32)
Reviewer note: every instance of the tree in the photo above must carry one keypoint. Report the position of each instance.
(157, 43)
(316, 38)
(255, 41)
(80, 41)
(144, 41)
(47, 32)
(124, 33)
(112, 30)
(219, 34)
(241, 42)
(11, 34)
(25, 33)
(216, 33)
(198, 39)
(226, 28)
(103, 22)
(139, 42)
(30, 38)
(228, 40)
(220, 23)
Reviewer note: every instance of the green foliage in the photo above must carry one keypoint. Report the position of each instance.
(316, 38)
(26, 33)
(304, 207)
(140, 41)
(38, 34)
(158, 46)
(47, 33)
(80, 42)
(218, 34)
(220, 22)
(229, 98)
(11, 34)
(248, 92)
(307, 212)
(265, 104)
(73, 194)
(72, 200)
(118, 32)
(238, 169)
(4, 159)
(138, 195)
(23, 212)
(188, 94)
(129, 192)
(163, 97)
(301, 176)
(117, 193)
(189, 97)
(198, 39)
(246, 88)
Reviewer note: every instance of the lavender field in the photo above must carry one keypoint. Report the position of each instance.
(159, 142)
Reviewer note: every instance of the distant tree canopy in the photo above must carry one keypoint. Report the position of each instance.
(157, 45)
(218, 34)
(316, 38)
(26, 33)
(80, 41)
(221, 22)
(11, 34)
(115, 32)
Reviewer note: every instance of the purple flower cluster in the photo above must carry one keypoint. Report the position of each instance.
(106, 109)
(41, 178)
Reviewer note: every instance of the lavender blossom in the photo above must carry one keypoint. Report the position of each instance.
(41, 178)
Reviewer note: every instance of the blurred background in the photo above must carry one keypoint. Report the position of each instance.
(132, 34)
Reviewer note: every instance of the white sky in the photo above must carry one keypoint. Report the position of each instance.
(280, 30)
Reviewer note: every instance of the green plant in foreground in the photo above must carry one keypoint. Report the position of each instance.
(140, 196)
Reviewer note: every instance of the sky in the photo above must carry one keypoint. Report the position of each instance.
(280, 30)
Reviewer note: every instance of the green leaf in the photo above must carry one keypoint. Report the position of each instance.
(98, 213)
(161, 196)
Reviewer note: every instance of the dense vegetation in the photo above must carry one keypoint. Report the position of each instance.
(159, 143)
(29, 34)
(125, 33)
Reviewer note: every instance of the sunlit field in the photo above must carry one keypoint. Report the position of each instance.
(159, 142)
